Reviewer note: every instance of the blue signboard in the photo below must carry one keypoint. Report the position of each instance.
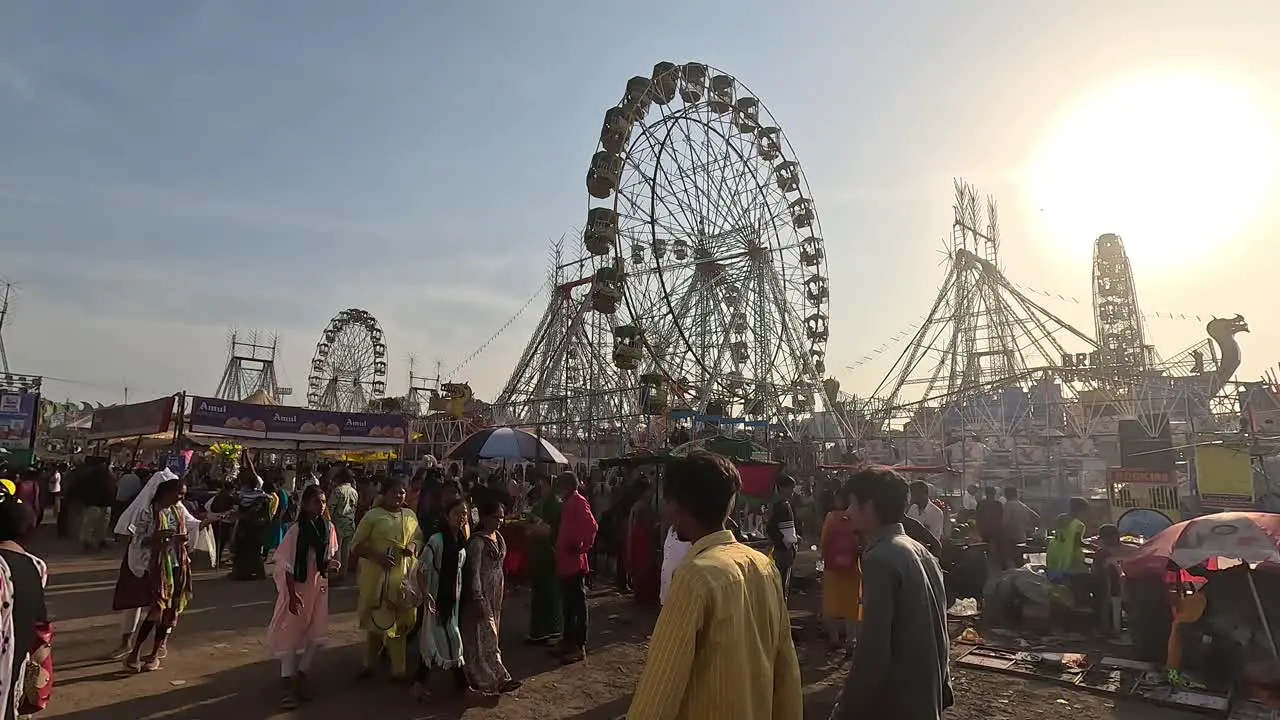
(17, 419)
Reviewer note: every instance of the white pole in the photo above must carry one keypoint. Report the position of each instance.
(1262, 615)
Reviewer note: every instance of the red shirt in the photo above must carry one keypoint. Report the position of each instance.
(576, 536)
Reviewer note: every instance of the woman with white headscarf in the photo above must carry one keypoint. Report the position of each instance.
(131, 618)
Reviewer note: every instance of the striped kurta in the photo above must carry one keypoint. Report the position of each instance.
(722, 647)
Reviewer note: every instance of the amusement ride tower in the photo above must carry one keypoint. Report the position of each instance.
(1123, 352)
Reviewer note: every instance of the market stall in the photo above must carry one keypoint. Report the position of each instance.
(1206, 592)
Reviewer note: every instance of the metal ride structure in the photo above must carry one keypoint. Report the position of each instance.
(251, 368)
(349, 368)
(443, 414)
(565, 381)
(1191, 387)
(995, 384)
(981, 382)
(1117, 321)
(981, 336)
(702, 285)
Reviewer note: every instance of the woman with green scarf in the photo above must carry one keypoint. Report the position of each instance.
(306, 557)
(545, 620)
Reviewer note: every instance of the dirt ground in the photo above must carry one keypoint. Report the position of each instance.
(218, 666)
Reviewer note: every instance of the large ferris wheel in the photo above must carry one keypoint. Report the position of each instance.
(700, 282)
(349, 368)
(706, 247)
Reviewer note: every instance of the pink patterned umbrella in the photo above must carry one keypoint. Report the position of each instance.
(1251, 537)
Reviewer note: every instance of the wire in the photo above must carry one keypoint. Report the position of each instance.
(1075, 300)
(906, 333)
(485, 345)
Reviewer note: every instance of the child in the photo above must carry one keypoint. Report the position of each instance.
(1107, 576)
(300, 624)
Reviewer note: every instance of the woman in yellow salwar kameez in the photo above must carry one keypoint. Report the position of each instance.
(386, 542)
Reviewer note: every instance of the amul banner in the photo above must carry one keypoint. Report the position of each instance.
(280, 422)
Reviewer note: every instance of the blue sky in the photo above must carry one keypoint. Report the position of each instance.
(169, 170)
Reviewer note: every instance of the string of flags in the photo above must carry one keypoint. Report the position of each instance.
(910, 330)
(1077, 301)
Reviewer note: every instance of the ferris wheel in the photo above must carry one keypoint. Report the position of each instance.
(349, 368)
(706, 246)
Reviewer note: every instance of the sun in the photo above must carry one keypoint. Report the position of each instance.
(1176, 164)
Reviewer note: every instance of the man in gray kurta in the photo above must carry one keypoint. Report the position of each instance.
(900, 668)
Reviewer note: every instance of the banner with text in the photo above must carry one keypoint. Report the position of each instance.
(120, 421)
(268, 422)
(1143, 501)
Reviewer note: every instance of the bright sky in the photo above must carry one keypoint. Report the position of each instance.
(169, 170)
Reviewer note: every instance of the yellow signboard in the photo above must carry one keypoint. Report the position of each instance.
(1224, 477)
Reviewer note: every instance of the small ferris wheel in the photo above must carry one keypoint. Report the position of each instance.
(349, 368)
(706, 246)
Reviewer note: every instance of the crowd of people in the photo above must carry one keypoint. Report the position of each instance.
(429, 558)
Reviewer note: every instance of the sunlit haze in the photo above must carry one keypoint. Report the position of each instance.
(1180, 162)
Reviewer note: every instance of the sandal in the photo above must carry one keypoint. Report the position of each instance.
(151, 664)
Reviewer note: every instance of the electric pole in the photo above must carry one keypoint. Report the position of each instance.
(4, 315)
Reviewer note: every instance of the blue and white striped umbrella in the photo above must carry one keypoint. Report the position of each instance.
(505, 443)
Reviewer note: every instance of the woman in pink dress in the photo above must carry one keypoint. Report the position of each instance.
(300, 624)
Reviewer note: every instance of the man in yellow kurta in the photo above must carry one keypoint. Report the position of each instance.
(722, 647)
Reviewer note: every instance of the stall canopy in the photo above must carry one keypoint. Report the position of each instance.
(315, 428)
(737, 449)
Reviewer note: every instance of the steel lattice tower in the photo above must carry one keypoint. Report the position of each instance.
(251, 368)
(982, 333)
(1123, 351)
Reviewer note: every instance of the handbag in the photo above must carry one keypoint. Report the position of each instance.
(394, 600)
(206, 543)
